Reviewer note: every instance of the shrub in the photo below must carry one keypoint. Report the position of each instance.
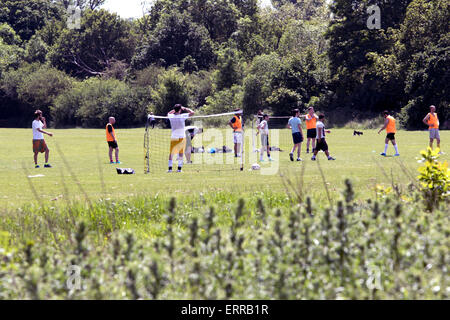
(434, 178)
(92, 101)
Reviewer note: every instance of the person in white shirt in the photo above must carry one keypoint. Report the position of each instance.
(321, 143)
(178, 139)
(152, 120)
(263, 128)
(39, 145)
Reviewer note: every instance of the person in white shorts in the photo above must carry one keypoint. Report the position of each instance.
(263, 128)
(236, 124)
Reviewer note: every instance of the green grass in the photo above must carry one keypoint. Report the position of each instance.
(89, 173)
(228, 234)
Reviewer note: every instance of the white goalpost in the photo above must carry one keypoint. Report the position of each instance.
(210, 144)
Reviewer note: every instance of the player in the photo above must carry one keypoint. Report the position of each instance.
(39, 145)
(432, 121)
(321, 144)
(389, 125)
(191, 132)
(311, 121)
(236, 124)
(177, 118)
(111, 138)
(297, 134)
(152, 120)
(263, 128)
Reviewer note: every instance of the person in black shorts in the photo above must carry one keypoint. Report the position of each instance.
(295, 124)
(111, 138)
(321, 143)
(311, 121)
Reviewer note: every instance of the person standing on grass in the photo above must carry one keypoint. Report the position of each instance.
(263, 128)
(152, 120)
(177, 118)
(39, 145)
(297, 134)
(111, 138)
(311, 121)
(389, 125)
(432, 121)
(321, 143)
(191, 132)
(236, 124)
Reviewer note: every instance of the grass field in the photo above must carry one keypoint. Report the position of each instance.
(81, 168)
(206, 234)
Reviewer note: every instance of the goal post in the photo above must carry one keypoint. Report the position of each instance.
(209, 144)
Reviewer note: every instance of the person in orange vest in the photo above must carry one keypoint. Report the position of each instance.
(389, 125)
(311, 121)
(111, 138)
(236, 124)
(432, 121)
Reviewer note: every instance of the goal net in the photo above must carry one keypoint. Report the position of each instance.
(210, 144)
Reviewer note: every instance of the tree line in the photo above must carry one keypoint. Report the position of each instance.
(218, 55)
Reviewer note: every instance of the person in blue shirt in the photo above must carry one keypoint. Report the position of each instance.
(297, 134)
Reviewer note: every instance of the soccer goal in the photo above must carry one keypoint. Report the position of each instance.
(210, 144)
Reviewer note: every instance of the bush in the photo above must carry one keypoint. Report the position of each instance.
(30, 87)
(40, 88)
(434, 177)
(91, 102)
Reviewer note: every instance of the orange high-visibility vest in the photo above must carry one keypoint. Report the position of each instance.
(110, 136)
(433, 121)
(391, 125)
(311, 123)
(237, 125)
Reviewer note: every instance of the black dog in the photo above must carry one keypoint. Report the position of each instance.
(357, 133)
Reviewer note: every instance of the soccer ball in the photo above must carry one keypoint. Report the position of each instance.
(256, 166)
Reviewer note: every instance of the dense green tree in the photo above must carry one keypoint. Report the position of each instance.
(308, 9)
(28, 16)
(226, 100)
(175, 37)
(219, 17)
(248, 39)
(8, 35)
(422, 57)
(227, 73)
(172, 90)
(10, 56)
(82, 4)
(354, 78)
(103, 38)
(36, 50)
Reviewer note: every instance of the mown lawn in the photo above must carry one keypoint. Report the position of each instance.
(81, 169)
